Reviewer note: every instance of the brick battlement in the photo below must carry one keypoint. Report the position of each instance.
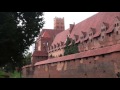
(106, 59)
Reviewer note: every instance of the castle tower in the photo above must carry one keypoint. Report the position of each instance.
(59, 23)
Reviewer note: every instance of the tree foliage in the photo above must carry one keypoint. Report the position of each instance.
(70, 49)
(27, 59)
(17, 32)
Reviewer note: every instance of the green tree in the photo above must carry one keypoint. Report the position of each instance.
(67, 48)
(17, 32)
(70, 49)
(27, 59)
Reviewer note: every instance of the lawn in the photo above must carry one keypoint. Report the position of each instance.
(15, 75)
(1, 74)
(11, 75)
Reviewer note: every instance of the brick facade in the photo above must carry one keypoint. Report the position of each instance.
(106, 66)
(98, 39)
(45, 39)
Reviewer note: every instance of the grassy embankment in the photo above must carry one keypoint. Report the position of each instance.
(11, 75)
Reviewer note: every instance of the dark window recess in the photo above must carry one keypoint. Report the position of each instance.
(76, 39)
(74, 60)
(118, 74)
(86, 58)
(103, 55)
(104, 71)
(85, 74)
(103, 30)
(109, 34)
(117, 32)
(68, 61)
(117, 24)
(102, 37)
(96, 38)
(91, 40)
(90, 34)
(85, 41)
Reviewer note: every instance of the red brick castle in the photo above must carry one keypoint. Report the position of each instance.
(98, 42)
(45, 39)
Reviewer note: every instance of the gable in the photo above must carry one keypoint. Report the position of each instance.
(95, 22)
(46, 35)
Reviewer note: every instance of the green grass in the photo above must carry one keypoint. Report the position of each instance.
(15, 75)
(1, 74)
(12, 75)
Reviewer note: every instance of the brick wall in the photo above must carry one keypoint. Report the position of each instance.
(102, 66)
(56, 53)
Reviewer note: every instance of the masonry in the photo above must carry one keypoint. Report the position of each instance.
(80, 65)
(98, 42)
(99, 66)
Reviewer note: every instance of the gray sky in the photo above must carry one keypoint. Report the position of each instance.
(69, 18)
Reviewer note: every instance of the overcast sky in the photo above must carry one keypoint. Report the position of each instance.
(69, 18)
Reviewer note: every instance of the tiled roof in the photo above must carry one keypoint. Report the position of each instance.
(46, 35)
(61, 37)
(95, 21)
(49, 32)
(39, 53)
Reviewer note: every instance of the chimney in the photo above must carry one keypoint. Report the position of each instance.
(71, 27)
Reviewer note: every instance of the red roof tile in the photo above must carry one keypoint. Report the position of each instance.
(95, 21)
(39, 53)
(46, 35)
(49, 33)
(52, 31)
(61, 37)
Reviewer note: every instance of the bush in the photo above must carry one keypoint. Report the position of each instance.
(72, 49)
(16, 74)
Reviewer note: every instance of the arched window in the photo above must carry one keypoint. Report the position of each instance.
(54, 46)
(117, 32)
